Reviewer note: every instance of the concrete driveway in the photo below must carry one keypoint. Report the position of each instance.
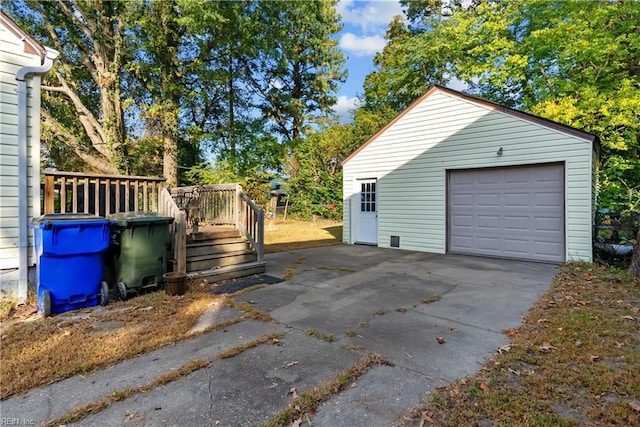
(434, 318)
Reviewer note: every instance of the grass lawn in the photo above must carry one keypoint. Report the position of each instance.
(281, 236)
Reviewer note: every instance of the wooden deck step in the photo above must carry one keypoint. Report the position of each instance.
(219, 253)
(205, 262)
(229, 272)
(213, 234)
(217, 246)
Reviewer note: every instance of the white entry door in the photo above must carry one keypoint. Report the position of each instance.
(367, 209)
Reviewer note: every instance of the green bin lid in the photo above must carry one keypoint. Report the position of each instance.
(66, 217)
(125, 219)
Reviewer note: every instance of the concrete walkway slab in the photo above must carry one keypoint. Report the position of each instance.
(244, 390)
(378, 398)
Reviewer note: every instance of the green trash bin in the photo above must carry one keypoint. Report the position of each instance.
(138, 252)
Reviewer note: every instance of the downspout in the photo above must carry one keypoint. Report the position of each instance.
(23, 204)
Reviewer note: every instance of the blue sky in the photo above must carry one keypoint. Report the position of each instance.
(365, 24)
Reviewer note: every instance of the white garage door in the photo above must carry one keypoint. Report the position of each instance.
(515, 212)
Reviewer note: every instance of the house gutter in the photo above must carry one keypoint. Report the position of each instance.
(23, 204)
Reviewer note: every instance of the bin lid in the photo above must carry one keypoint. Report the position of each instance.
(67, 218)
(124, 219)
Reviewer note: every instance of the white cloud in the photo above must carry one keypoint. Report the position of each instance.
(363, 45)
(371, 16)
(344, 106)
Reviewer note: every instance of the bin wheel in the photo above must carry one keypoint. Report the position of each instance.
(122, 291)
(46, 303)
(104, 293)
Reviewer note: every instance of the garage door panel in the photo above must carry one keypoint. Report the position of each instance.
(548, 250)
(488, 222)
(517, 199)
(489, 244)
(551, 199)
(485, 180)
(517, 177)
(464, 200)
(488, 200)
(517, 246)
(552, 225)
(514, 212)
(462, 221)
(464, 243)
(513, 224)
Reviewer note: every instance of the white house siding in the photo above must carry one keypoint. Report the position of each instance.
(12, 59)
(445, 132)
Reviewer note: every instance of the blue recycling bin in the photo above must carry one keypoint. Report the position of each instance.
(70, 266)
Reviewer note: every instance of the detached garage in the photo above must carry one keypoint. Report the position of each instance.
(455, 173)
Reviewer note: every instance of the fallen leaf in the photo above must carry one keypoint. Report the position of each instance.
(503, 349)
(485, 387)
(293, 392)
(426, 419)
(547, 347)
(511, 332)
(441, 340)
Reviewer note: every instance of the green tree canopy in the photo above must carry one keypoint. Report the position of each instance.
(236, 81)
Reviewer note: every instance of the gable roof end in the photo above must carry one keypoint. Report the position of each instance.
(31, 46)
(485, 104)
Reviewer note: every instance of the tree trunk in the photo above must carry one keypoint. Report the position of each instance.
(170, 159)
(635, 259)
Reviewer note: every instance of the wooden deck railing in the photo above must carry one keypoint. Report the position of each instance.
(99, 194)
(251, 223)
(168, 207)
(215, 204)
(223, 204)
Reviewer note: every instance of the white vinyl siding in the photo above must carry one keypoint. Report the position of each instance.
(443, 132)
(12, 59)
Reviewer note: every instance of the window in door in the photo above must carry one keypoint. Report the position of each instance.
(368, 197)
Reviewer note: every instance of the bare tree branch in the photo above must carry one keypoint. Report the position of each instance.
(95, 161)
(87, 119)
(84, 24)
